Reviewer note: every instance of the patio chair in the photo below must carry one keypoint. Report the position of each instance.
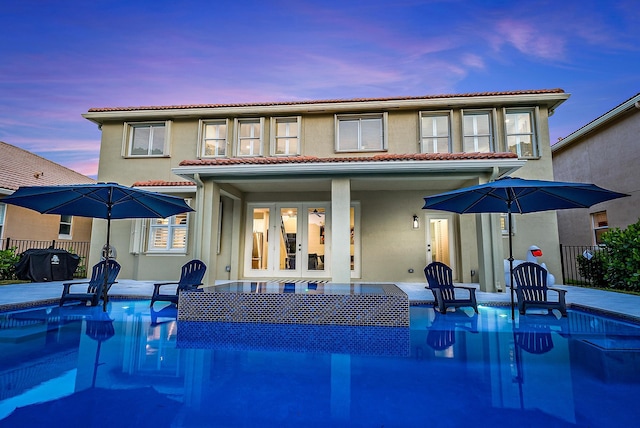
(440, 279)
(442, 332)
(95, 286)
(190, 278)
(167, 314)
(535, 338)
(531, 289)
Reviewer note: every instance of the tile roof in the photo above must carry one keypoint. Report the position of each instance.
(303, 102)
(315, 160)
(151, 183)
(19, 167)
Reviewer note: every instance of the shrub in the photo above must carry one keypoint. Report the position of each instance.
(623, 261)
(593, 269)
(8, 258)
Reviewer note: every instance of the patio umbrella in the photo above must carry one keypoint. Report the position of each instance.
(110, 201)
(509, 195)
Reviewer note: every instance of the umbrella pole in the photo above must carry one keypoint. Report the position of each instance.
(106, 255)
(106, 267)
(513, 316)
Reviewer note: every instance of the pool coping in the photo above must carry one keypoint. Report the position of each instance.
(422, 302)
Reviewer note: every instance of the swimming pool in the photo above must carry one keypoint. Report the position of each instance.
(141, 367)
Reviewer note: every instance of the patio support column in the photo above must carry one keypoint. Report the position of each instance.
(236, 239)
(210, 216)
(490, 253)
(341, 230)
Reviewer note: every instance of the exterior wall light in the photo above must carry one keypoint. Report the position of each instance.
(416, 222)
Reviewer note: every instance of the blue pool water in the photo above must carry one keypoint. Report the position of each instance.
(74, 366)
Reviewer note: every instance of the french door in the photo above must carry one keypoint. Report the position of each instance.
(288, 240)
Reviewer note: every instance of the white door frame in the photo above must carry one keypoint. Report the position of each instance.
(428, 216)
(302, 248)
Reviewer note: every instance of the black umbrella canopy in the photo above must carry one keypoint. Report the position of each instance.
(519, 195)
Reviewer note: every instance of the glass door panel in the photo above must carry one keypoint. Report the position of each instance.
(260, 239)
(315, 238)
(288, 240)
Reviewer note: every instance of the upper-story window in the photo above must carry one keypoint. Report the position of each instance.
(285, 136)
(520, 132)
(366, 132)
(213, 138)
(64, 231)
(249, 135)
(477, 132)
(146, 139)
(435, 132)
(169, 234)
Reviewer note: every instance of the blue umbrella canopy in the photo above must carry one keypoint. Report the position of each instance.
(518, 195)
(101, 200)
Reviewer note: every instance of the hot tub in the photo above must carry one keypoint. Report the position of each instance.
(383, 305)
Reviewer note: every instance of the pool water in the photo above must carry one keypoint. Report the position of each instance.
(74, 366)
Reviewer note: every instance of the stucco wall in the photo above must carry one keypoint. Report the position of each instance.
(22, 223)
(609, 157)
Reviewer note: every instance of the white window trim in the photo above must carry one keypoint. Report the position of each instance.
(492, 124)
(385, 136)
(170, 227)
(595, 228)
(236, 135)
(504, 224)
(66, 235)
(141, 231)
(535, 114)
(448, 114)
(201, 143)
(273, 134)
(127, 138)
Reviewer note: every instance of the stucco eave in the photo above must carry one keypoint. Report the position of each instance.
(351, 168)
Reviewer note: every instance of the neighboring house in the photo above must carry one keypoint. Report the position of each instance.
(606, 152)
(19, 167)
(329, 189)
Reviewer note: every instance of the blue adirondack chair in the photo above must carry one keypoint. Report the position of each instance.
(190, 278)
(532, 291)
(95, 285)
(440, 279)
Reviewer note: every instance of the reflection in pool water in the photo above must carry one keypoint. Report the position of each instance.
(140, 366)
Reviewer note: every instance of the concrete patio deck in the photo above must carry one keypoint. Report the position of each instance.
(32, 294)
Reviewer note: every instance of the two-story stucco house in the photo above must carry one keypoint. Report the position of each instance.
(329, 189)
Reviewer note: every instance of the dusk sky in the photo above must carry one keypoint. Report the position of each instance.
(60, 58)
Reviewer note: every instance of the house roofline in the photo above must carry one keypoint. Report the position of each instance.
(631, 103)
(551, 98)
